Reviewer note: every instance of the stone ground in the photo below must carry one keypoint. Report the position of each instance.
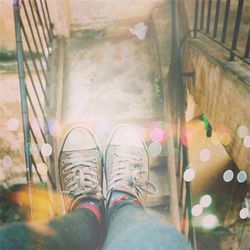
(112, 80)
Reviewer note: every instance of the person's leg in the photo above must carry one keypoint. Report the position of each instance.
(80, 171)
(130, 227)
(126, 169)
(79, 229)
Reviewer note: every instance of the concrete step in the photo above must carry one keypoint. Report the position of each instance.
(112, 80)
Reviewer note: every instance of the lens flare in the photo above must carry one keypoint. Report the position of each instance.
(225, 138)
(244, 213)
(241, 176)
(228, 175)
(206, 200)
(7, 161)
(46, 149)
(242, 131)
(34, 148)
(12, 124)
(215, 138)
(246, 141)
(42, 168)
(155, 148)
(205, 155)
(210, 221)
(157, 134)
(197, 210)
(189, 175)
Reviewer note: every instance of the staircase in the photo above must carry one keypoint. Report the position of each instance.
(112, 79)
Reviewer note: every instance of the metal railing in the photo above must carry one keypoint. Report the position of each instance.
(34, 35)
(226, 23)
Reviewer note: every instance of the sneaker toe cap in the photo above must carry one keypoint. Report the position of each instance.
(127, 135)
(79, 139)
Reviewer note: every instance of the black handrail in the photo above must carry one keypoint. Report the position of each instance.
(34, 46)
(214, 10)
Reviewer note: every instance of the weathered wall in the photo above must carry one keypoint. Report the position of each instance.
(78, 14)
(221, 90)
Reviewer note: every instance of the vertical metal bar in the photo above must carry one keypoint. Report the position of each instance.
(41, 23)
(246, 54)
(47, 10)
(35, 166)
(208, 15)
(196, 17)
(37, 30)
(174, 208)
(33, 37)
(236, 28)
(34, 88)
(216, 19)
(45, 21)
(34, 62)
(36, 116)
(24, 105)
(192, 233)
(226, 15)
(35, 140)
(202, 14)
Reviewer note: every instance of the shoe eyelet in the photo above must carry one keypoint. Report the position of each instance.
(94, 159)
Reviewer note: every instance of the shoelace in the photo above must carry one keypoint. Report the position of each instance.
(128, 170)
(81, 176)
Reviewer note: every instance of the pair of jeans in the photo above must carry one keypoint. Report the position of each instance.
(128, 227)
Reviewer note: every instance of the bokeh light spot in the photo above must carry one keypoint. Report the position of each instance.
(155, 148)
(7, 161)
(197, 210)
(246, 141)
(244, 213)
(228, 175)
(205, 155)
(242, 131)
(241, 176)
(215, 138)
(189, 175)
(46, 149)
(210, 221)
(157, 134)
(34, 148)
(206, 200)
(12, 124)
(225, 138)
(55, 129)
(42, 168)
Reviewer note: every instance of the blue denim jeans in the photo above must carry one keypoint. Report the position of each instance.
(129, 227)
